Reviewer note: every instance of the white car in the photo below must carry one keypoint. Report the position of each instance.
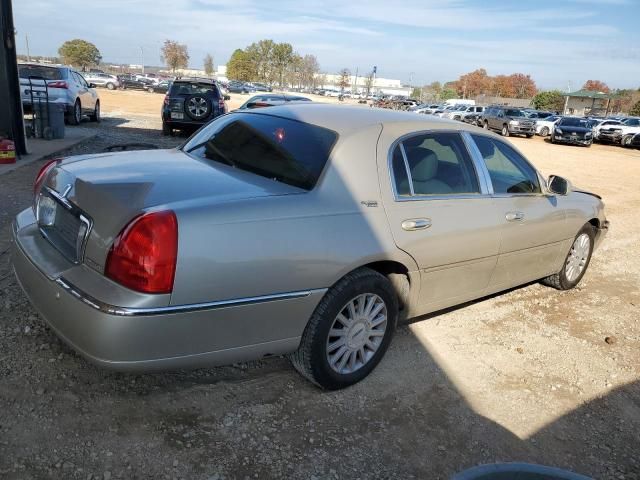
(65, 87)
(463, 111)
(622, 133)
(604, 123)
(545, 126)
(102, 80)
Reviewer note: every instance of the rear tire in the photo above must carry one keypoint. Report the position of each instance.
(76, 114)
(576, 262)
(486, 125)
(529, 135)
(95, 116)
(166, 129)
(342, 316)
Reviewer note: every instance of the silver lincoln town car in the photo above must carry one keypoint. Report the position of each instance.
(306, 230)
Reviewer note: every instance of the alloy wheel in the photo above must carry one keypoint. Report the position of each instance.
(578, 257)
(356, 333)
(197, 106)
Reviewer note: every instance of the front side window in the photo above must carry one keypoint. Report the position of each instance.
(436, 164)
(283, 150)
(510, 173)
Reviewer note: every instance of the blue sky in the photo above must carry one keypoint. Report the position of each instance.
(557, 42)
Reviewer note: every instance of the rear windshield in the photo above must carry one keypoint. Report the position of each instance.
(283, 150)
(48, 73)
(191, 88)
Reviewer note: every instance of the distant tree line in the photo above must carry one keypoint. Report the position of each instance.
(270, 62)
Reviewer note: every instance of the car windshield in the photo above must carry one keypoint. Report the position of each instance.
(514, 113)
(283, 150)
(48, 73)
(632, 122)
(575, 122)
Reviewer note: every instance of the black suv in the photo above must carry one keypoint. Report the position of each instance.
(508, 121)
(190, 103)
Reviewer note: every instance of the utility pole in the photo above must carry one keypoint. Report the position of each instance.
(142, 54)
(355, 83)
(26, 37)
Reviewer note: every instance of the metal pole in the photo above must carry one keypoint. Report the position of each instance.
(142, 52)
(26, 37)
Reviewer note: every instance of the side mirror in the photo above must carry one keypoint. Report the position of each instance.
(558, 185)
(227, 97)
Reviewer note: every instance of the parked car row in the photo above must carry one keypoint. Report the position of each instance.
(623, 131)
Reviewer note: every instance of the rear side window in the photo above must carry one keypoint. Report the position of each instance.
(437, 163)
(48, 73)
(192, 88)
(284, 150)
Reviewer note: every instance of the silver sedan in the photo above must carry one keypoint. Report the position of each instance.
(306, 230)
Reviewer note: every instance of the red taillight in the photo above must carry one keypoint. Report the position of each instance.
(58, 84)
(42, 174)
(221, 104)
(143, 257)
(166, 99)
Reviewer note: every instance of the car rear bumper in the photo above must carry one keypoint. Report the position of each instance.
(162, 338)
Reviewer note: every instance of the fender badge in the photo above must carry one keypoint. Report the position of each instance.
(369, 203)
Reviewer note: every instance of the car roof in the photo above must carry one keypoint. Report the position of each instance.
(345, 118)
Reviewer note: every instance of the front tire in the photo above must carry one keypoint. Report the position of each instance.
(544, 132)
(486, 125)
(626, 140)
(505, 131)
(349, 331)
(110, 86)
(576, 262)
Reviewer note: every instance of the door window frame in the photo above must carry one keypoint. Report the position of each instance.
(485, 189)
(475, 152)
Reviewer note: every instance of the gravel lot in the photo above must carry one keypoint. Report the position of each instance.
(530, 375)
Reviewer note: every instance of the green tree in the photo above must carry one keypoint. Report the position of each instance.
(635, 110)
(550, 100)
(175, 55)
(79, 53)
(282, 57)
(208, 65)
(448, 93)
(416, 92)
(240, 66)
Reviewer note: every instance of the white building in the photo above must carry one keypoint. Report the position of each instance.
(387, 86)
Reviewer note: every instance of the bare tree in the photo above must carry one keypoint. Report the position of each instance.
(208, 65)
(345, 78)
(175, 55)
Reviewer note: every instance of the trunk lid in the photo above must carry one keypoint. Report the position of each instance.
(113, 188)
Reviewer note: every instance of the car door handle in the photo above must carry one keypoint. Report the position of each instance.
(416, 224)
(514, 216)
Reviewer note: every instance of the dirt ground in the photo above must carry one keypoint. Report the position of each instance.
(526, 375)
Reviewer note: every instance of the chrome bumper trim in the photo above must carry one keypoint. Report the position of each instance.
(193, 307)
